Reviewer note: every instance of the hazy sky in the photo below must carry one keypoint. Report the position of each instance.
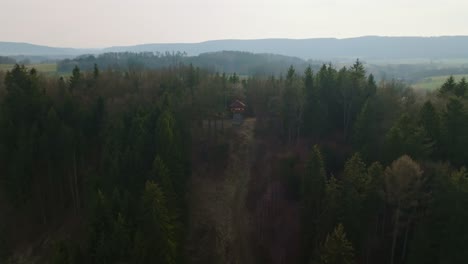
(99, 23)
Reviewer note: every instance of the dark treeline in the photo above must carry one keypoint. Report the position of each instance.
(102, 161)
(251, 64)
(7, 60)
(243, 63)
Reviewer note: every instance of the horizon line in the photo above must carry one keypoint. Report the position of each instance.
(227, 39)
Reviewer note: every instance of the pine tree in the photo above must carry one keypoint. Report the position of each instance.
(120, 239)
(292, 107)
(162, 175)
(312, 119)
(461, 88)
(313, 196)
(165, 135)
(356, 184)
(100, 230)
(448, 87)
(75, 79)
(455, 131)
(371, 87)
(407, 137)
(95, 71)
(362, 134)
(429, 120)
(337, 249)
(313, 182)
(155, 240)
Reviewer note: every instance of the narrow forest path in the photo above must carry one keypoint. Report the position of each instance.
(219, 218)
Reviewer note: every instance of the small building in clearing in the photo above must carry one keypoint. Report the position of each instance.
(237, 109)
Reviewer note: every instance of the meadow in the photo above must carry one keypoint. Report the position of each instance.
(435, 82)
(48, 68)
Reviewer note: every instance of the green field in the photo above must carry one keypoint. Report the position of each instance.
(48, 68)
(435, 82)
(439, 62)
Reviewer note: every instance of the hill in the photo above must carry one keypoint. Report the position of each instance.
(369, 47)
(18, 48)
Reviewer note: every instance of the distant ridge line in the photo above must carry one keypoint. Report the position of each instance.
(374, 47)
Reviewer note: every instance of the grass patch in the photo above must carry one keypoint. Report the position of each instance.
(435, 82)
(443, 63)
(48, 68)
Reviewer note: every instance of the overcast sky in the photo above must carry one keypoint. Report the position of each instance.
(100, 23)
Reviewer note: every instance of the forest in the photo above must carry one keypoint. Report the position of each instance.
(102, 166)
(243, 63)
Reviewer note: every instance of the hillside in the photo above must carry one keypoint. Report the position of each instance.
(17, 48)
(369, 47)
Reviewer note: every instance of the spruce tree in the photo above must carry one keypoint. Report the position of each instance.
(155, 239)
(313, 196)
(448, 87)
(337, 249)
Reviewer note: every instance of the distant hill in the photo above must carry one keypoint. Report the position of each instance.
(326, 48)
(26, 49)
(370, 47)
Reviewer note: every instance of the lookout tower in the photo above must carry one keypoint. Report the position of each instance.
(237, 109)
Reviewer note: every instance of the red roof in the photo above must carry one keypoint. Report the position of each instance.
(237, 104)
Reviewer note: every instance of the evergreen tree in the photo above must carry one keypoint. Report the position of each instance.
(312, 116)
(371, 87)
(455, 131)
(356, 183)
(406, 137)
(162, 175)
(95, 71)
(313, 196)
(100, 247)
(75, 79)
(333, 202)
(155, 240)
(430, 121)
(292, 106)
(461, 88)
(337, 249)
(448, 87)
(362, 134)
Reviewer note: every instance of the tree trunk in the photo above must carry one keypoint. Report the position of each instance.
(43, 209)
(192, 101)
(395, 233)
(405, 242)
(61, 191)
(222, 123)
(210, 129)
(384, 217)
(72, 190)
(77, 191)
(298, 132)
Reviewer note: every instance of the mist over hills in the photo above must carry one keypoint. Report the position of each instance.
(369, 47)
(19, 48)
